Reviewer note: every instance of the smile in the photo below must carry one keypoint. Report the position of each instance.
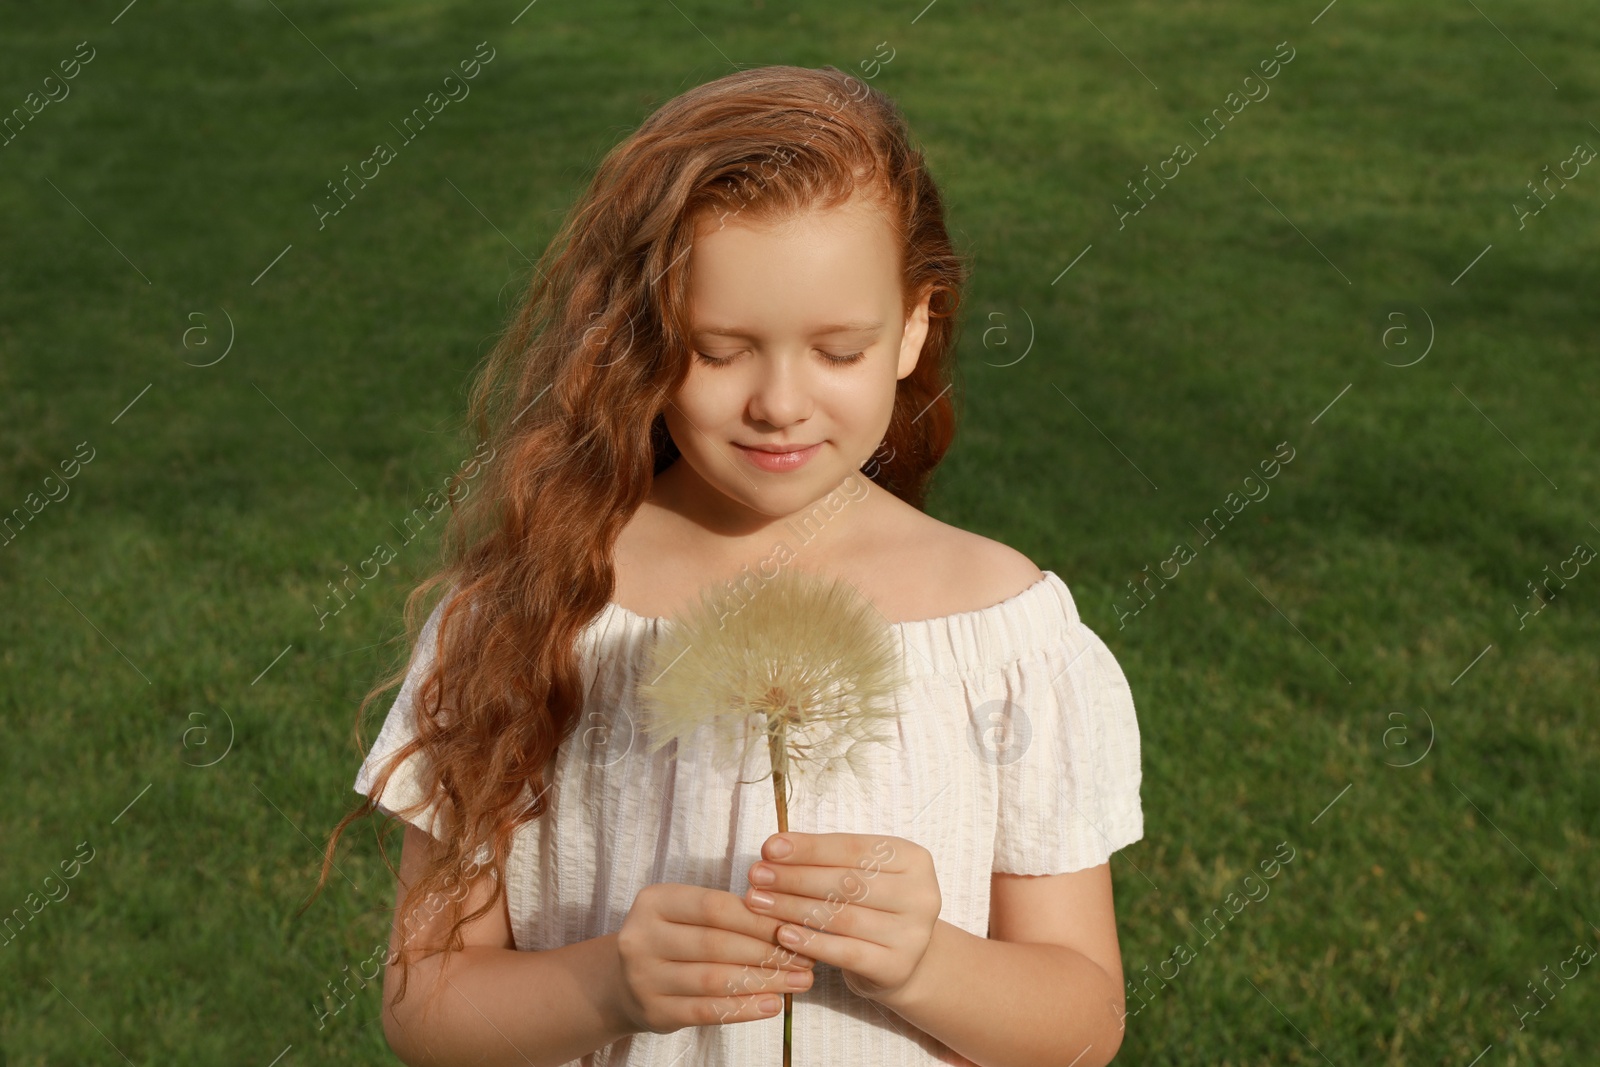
(778, 461)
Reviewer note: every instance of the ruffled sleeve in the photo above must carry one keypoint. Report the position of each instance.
(405, 784)
(1069, 770)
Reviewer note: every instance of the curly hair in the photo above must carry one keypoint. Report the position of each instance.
(571, 398)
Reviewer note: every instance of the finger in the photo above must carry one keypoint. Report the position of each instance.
(716, 908)
(763, 1006)
(721, 981)
(824, 883)
(707, 1011)
(834, 915)
(689, 943)
(838, 950)
(837, 850)
(729, 912)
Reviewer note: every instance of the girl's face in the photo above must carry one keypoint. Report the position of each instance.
(806, 325)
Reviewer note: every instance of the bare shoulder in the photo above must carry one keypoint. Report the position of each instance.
(975, 571)
(995, 571)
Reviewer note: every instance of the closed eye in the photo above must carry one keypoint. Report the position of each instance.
(712, 361)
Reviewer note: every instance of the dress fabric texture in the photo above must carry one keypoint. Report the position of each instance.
(1016, 750)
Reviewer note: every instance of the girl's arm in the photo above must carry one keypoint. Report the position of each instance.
(489, 1003)
(1051, 976)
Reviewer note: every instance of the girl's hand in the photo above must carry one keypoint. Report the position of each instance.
(690, 956)
(864, 903)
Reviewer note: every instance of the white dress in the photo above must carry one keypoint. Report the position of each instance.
(1017, 751)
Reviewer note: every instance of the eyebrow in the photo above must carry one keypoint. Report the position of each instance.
(836, 327)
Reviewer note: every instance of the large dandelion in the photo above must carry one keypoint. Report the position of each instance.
(808, 663)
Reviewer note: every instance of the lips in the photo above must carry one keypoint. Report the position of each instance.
(776, 450)
(790, 458)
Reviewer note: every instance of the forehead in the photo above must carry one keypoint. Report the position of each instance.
(826, 268)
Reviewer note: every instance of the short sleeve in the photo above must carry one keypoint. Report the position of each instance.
(1069, 774)
(405, 784)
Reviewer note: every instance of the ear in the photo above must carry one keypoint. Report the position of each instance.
(916, 332)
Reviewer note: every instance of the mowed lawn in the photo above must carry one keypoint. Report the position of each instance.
(1343, 327)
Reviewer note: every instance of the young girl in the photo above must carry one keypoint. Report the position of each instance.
(737, 356)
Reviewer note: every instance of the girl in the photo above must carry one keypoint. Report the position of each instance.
(737, 355)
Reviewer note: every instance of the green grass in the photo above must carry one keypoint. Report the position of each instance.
(1389, 555)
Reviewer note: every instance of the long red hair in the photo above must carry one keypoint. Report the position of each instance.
(570, 402)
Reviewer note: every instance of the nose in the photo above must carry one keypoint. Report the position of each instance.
(780, 394)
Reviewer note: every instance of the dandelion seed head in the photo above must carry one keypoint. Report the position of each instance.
(806, 654)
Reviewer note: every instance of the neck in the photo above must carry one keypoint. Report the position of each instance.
(734, 535)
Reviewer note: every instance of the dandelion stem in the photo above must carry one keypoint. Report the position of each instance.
(777, 736)
(775, 743)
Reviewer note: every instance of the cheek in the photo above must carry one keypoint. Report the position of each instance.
(869, 412)
(858, 401)
(686, 410)
(708, 400)
(702, 419)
